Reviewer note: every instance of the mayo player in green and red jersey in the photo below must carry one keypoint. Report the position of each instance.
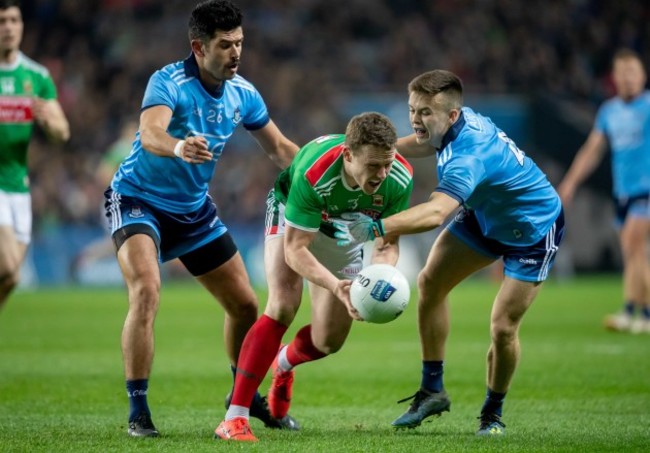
(331, 178)
(27, 96)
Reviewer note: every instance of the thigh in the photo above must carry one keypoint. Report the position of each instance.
(330, 320)
(635, 233)
(138, 260)
(12, 252)
(16, 213)
(513, 299)
(451, 260)
(285, 286)
(229, 283)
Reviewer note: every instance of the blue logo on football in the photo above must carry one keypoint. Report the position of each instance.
(382, 291)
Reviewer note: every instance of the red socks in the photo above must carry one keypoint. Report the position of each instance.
(301, 349)
(257, 353)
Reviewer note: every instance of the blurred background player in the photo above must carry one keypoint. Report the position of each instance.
(158, 204)
(510, 211)
(623, 123)
(103, 248)
(332, 176)
(27, 96)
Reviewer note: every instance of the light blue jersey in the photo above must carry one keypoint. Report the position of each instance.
(171, 184)
(480, 167)
(627, 127)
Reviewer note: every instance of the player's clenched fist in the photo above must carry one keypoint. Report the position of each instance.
(193, 150)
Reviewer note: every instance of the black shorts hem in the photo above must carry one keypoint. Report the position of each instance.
(210, 256)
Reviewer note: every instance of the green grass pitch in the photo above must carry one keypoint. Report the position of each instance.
(578, 388)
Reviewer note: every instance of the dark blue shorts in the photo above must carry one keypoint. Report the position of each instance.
(530, 264)
(175, 235)
(636, 206)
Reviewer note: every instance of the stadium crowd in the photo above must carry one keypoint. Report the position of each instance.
(304, 55)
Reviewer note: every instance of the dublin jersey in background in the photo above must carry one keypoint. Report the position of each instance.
(171, 184)
(627, 128)
(480, 167)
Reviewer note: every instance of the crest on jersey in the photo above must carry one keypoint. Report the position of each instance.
(28, 88)
(136, 212)
(377, 200)
(236, 116)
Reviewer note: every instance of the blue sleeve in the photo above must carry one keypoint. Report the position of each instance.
(460, 177)
(257, 116)
(161, 90)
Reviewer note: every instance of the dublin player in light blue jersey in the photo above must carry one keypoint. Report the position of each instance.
(623, 122)
(158, 205)
(509, 211)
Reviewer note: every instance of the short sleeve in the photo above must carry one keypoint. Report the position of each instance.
(460, 177)
(257, 115)
(161, 90)
(304, 207)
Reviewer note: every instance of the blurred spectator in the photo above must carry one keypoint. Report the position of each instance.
(303, 55)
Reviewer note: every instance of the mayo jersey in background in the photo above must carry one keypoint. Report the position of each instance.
(314, 190)
(480, 167)
(171, 184)
(627, 128)
(19, 83)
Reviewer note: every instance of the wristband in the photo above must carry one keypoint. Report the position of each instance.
(378, 228)
(178, 148)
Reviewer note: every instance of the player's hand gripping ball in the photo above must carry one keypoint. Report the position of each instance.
(380, 293)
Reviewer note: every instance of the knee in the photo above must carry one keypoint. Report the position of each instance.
(284, 304)
(327, 345)
(244, 308)
(429, 287)
(633, 243)
(9, 281)
(144, 297)
(281, 312)
(504, 332)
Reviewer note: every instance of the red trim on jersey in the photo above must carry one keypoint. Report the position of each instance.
(16, 109)
(318, 168)
(404, 162)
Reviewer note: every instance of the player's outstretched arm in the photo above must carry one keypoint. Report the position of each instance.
(585, 162)
(422, 217)
(419, 218)
(49, 115)
(278, 147)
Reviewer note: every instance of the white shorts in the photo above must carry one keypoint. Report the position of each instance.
(16, 212)
(344, 262)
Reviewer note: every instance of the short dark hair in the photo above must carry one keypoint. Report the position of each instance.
(212, 15)
(625, 54)
(6, 4)
(370, 128)
(439, 81)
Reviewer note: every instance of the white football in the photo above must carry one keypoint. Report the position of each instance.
(380, 293)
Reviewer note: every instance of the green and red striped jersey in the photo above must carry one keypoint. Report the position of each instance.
(314, 190)
(20, 82)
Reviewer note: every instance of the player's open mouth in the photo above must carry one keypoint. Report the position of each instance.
(420, 132)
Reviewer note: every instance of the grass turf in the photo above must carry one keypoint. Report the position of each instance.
(578, 387)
